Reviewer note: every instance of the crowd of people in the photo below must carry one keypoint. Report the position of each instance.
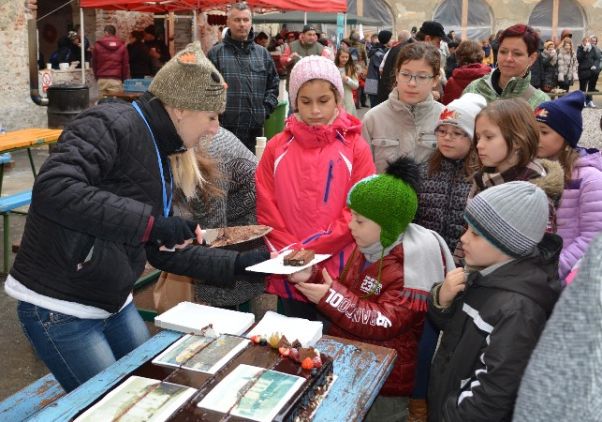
(456, 213)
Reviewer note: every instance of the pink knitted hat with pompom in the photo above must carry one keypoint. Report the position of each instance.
(313, 67)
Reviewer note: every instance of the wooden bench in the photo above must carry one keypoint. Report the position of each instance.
(8, 205)
(30, 400)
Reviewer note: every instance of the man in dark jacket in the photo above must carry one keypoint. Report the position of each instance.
(492, 318)
(251, 75)
(110, 62)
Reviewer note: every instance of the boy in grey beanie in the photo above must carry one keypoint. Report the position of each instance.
(492, 311)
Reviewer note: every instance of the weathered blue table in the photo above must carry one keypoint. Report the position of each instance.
(361, 370)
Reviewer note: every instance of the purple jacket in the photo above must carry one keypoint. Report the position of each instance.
(579, 216)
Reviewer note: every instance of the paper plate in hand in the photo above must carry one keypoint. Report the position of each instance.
(276, 265)
(226, 236)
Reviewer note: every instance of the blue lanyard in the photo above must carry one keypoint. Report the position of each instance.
(166, 203)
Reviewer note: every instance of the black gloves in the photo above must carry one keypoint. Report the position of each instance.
(248, 258)
(172, 231)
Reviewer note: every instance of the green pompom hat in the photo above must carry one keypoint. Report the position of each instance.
(388, 201)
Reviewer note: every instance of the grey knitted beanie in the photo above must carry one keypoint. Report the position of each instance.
(512, 216)
(190, 81)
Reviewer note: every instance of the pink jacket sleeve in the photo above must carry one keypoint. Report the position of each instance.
(267, 208)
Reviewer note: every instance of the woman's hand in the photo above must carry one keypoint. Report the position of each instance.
(455, 282)
(301, 276)
(315, 292)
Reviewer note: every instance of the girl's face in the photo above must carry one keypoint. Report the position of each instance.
(316, 102)
(192, 125)
(513, 59)
(452, 142)
(491, 145)
(365, 231)
(343, 58)
(415, 81)
(550, 142)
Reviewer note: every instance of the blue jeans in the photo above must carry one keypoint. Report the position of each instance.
(76, 349)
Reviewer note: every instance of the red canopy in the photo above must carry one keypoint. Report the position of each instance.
(181, 5)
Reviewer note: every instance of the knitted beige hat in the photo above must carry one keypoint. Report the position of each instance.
(190, 81)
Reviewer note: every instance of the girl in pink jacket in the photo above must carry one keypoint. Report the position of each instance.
(579, 216)
(305, 174)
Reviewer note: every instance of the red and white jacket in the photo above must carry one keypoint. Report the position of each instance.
(302, 182)
(363, 307)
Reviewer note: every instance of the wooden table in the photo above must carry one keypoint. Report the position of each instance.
(361, 370)
(26, 139)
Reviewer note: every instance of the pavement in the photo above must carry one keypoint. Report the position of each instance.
(19, 366)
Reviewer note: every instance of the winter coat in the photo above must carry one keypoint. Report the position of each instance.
(302, 182)
(549, 63)
(110, 59)
(141, 63)
(362, 308)
(349, 86)
(562, 380)
(579, 215)
(461, 77)
(252, 80)
(91, 208)
(375, 55)
(394, 128)
(488, 87)
(567, 65)
(442, 199)
(489, 332)
(589, 60)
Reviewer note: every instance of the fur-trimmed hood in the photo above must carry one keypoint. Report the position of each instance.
(552, 182)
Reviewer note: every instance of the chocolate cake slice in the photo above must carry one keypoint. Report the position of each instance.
(298, 258)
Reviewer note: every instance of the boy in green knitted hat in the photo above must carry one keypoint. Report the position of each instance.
(380, 297)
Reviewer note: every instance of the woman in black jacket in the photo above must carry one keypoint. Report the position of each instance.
(101, 208)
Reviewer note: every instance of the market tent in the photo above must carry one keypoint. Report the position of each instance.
(313, 17)
(181, 5)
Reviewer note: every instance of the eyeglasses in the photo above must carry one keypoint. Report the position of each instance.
(453, 134)
(420, 79)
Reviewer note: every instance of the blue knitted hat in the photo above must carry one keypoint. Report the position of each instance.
(564, 116)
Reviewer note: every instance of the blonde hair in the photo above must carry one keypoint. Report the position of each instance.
(186, 173)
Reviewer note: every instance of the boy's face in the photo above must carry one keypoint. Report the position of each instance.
(365, 231)
(478, 252)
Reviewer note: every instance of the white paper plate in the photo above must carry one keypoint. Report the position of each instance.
(276, 265)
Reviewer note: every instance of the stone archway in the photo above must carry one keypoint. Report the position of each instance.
(571, 15)
(480, 18)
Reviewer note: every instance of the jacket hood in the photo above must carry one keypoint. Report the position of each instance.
(543, 288)
(375, 48)
(343, 126)
(110, 42)
(397, 105)
(470, 72)
(590, 157)
(553, 182)
(241, 44)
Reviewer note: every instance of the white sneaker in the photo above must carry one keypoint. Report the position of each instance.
(591, 104)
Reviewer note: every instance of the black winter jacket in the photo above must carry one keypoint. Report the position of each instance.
(91, 205)
(489, 334)
(442, 200)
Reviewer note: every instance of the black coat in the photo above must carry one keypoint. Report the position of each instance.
(91, 206)
(489, 334)
(587, 60)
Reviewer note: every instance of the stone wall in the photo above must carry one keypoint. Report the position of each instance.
(17, 110)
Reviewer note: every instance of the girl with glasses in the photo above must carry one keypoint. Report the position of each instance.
(404, 124)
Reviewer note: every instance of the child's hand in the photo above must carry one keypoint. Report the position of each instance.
(455, 282)
(315, 292)
(301, 276)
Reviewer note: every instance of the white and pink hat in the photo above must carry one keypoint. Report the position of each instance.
(314, 67)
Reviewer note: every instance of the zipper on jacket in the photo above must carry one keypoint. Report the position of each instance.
(328, 180)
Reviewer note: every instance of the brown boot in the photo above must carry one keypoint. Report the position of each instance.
(417, 410)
